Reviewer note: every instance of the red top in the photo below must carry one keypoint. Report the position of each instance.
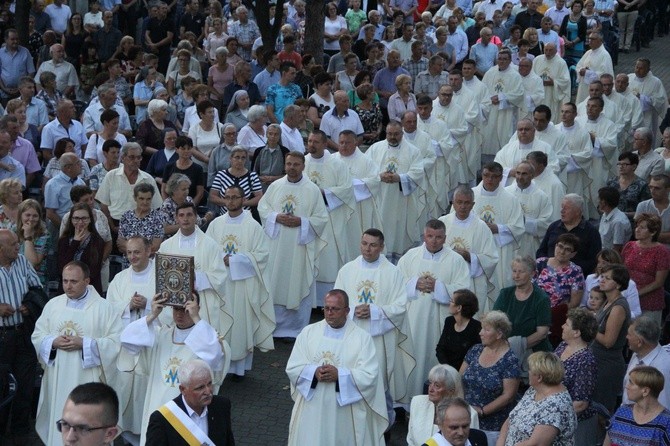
(642, 264)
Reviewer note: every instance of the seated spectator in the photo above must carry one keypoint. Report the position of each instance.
(184, 164)
(461, 330)
(220, 75)
(219, 157)
(268, 161)
(160, 159)
(36, 109)
(344, 80)
(141, 221)
(81, 241)
(49, 94)
(322, 100)
(632, 189)
(403, 99)
(237, 175)
(238, 110)
(64, 126)
(252, 136)
(206, 134)
(66, 74)
(561, 279)
(53, 168)
(21, 149)
(143, 92)
(375, 59)
(183, 69)
(30, 132)
(150, 133)
(110, 155)
(10, 198)
(177, 194)
(305, 125)
(10, 167)
(242, 81)
(34, 239)
(191, 116)
(369, 113)
(110, 126)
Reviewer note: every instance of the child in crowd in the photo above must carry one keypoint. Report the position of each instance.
(355, 17)
(596, 300)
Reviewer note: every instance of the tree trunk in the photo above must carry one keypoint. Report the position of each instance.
(314, 20)
(21, 20)
(261, 10)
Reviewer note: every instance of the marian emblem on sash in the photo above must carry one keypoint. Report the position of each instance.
(170, 370)
(366, 292)
(500, 86)
(460, 243)
(315, 177)
(392, 165)
(230, 244)
(69, 328)
(524, 208)
(545, 74)
(488, 214)
(327, 358)
(289, 204)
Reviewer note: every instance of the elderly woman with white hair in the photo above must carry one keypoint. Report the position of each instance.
(238, 109)
(444, 381)
(252, 136)
(219, 158)
(220, 75)
(150, 133)
(177, 188)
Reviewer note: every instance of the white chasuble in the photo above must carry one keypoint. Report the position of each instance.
(474, 99)
(596, 62)
(452, 143)
(605, 151)
(534, 95)
(99, 324)
(382, 286)
(501, 123)
(474, 236)
(537, 215)
(435, 171)
(351, 413)
(577, 171)
(208, 260)
(653, 99)
(514, 152)
(332, 177)
(426, 312)
(362, 169)
(242, 239)
(554, 70)
(400, 204)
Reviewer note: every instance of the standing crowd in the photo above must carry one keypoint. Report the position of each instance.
(475, 199)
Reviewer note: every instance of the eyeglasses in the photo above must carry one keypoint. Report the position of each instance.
(83, 430)
(78, 219)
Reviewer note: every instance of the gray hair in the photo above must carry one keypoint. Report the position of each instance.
(274, 126)
(193, 369)
(499, 321)
(290, 111)
(647, 329)
(105, 88)
(465, 190)
(174, 181)
(256, 112)
(184, 45)
(127, 147)
(66, 159)
(221, 50)
(241, 8)
(449, 377)
(575, 200)
(445, 404)
(225, 127)
(527, 261)
(646, 133)
(155, 105)
(238, 149)
(529, 164)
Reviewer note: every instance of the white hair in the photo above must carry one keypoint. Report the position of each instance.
(193, 369)
(155, 105)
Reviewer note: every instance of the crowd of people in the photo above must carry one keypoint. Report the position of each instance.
(472, 178)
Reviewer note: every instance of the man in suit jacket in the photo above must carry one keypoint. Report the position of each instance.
(453, 418)
(194, 416)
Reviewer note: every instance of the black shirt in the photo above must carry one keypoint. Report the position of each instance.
(589, 245)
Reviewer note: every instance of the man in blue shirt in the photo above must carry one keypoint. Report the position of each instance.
(270, 75)
(57, 199)
(10, 167)
(15, 62)
(283, 93)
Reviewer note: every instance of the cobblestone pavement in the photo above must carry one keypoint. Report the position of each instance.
(261, 402)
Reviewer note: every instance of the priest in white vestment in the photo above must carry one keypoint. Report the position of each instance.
(593, 63)
(555, 75)
(131, 292)
(604, 140)
(77, 341)
(157, 351)
(506, 95)
(433, 272)
(361, 169)
(577, 171)
(473, 97)
(210, 272)
(453, 137)
(652, 95)
(536, 206)
(533, 88)
(399, 189)
(502, 212)
(294, 216)
(610, 109)
(335, 382)
(246, 249)
(630, 107)
(519, 147)
(435, 168)
(333, 179)
(473, 240)
(379, 300)
(548, 181)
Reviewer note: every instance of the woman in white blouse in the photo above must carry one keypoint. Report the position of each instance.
(206, 134)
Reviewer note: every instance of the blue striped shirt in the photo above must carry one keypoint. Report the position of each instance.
(14, 284)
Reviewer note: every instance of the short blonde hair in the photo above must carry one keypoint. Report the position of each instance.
(499, 322)
(6, 185)
(402, 78)
(548, 366)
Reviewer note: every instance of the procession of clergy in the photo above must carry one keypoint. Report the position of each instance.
(372, 224)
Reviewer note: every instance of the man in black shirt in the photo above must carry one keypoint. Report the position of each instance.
(529, 18)
(192, 21)
(159, 37)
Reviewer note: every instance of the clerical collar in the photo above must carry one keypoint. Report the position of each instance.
(492, 193)
(187, 241)
(371, 265)
(319, 160)
(141, 276)
(294, 182)
(169, 153)
(335, 333)
(432, 255)
(394, 146)
(80, 298)
(466, 221)
(593, 121)
(410, 135)
(236, 220)
(427, 120)
(569, 128)
(524, 146)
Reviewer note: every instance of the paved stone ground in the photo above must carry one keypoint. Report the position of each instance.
(261, 402)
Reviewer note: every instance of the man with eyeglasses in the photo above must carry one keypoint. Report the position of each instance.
(245, 255)
(334, 376)
(77, 341)
(379, 297)
(90, 415)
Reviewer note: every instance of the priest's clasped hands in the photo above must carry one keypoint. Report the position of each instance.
(289, 220)
(68, 343)
(362, 311)
(326, 373)
(425, 284)
(389, 177)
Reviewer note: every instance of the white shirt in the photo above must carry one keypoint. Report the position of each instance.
(199, 420)
(291, 138)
